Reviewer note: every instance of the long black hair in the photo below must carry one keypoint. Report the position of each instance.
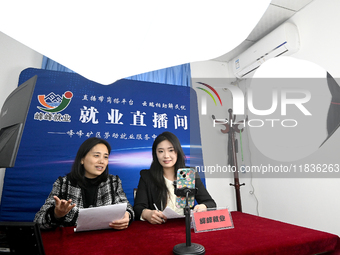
(156, 169)
(77, 174)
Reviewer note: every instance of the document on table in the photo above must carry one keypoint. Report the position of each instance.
(95, 218)
(171, 214)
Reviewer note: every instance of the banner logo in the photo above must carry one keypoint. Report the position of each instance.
(54, 103)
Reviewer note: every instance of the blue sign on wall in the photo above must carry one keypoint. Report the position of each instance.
(66, 109)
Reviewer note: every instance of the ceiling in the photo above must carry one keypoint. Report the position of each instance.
(277, 13)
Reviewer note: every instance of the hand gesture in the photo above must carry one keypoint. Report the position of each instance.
(121, 224)
(62, 207)
(154, 216)
(200, 208)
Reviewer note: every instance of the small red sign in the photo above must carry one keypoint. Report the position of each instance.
(212, 220)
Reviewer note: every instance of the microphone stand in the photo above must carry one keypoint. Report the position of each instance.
(187, 248)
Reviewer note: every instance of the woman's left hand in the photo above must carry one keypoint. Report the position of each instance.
(200, 208)
(121, 224)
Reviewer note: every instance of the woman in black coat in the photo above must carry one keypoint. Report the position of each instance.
(155, 189)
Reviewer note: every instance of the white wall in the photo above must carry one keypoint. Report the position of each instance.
(214, 141)
(308, 202)
(14, 57)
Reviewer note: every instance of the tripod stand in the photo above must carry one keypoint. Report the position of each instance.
(187, 248)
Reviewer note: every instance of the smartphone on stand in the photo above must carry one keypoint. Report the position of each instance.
(185, 178)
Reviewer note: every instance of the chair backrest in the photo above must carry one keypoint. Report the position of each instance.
(21, 238)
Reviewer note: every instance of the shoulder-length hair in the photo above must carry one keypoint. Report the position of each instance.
(77, 174)
(156, 169)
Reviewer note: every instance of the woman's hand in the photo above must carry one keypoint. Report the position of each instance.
(62, 207)
(154, 216)
(121, 224)
(200, 208)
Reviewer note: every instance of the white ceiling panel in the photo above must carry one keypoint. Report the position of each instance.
(277, 13)
(294, 5)
(271, 19)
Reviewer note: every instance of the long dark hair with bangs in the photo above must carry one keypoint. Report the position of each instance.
(156, 168)
(77, 174)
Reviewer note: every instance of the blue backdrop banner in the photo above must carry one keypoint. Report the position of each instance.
(66, 109)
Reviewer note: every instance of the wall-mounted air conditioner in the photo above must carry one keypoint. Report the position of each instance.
(284, 40)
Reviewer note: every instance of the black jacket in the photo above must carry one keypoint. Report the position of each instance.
(147, 194)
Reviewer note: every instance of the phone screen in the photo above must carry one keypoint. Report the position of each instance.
(185, 178)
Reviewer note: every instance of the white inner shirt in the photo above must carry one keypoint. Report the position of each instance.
(171, 202)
